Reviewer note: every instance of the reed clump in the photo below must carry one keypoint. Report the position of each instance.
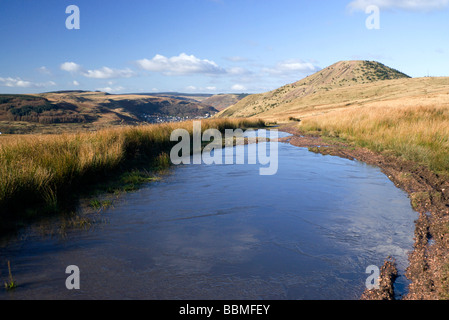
(43, 169)
(11, 283)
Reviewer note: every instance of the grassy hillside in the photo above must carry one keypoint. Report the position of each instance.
(223, 101)
(333, 87)
(30, 108)
(71, 110)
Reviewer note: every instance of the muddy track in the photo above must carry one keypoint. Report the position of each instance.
(428, 269)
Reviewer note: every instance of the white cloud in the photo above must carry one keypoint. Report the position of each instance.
(200, 89)
(238, 87)
(44, 70)
(237, 59)
(412, 5)
(108, 73)
(190, 88)
(70, 67)
(289, 67)
(111, 89)
(180, 65)
(19, 83)
(237, 71)
(102, 73)
(75, 83)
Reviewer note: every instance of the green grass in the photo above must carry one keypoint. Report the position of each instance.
(11, 283)
(100, 204)
(132, 180)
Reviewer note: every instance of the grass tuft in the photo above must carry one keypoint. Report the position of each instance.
(11, 283)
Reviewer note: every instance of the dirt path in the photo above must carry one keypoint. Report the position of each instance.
(428, 268)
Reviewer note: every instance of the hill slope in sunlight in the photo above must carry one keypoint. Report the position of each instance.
(341, 83)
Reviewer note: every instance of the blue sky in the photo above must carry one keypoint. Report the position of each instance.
(210, 46)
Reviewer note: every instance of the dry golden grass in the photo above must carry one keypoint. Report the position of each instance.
(415, 130)
(279, 105)
(41, 168)
(332, 87)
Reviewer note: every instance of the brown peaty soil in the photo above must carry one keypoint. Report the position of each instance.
(428, 269)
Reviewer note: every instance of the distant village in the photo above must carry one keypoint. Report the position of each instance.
(162, 119)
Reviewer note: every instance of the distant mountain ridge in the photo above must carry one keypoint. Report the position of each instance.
(93, 109)
(22, 113)
(339, 75)
(218, 101)
(223, 101)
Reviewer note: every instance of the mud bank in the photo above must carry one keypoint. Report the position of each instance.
(428, 269)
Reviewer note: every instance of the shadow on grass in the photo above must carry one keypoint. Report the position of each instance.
(115, 182)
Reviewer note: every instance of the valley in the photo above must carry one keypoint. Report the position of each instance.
(57, 112)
